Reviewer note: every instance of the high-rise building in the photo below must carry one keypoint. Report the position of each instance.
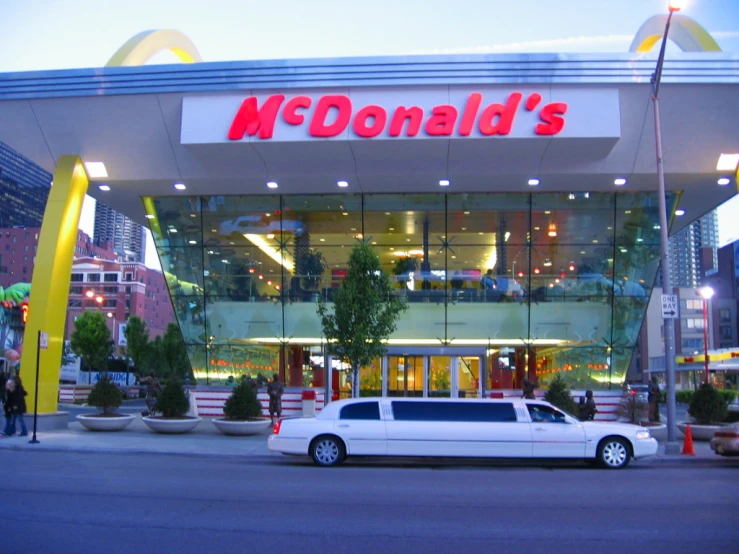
(24, 189)
(128, 237)
(694, 252)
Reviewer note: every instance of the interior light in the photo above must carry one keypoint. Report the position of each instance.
(547, 262)
(537, 270)
(727, 162)
(343, 184)
(272, 185)
(192, 241)
(724, 181)
(104, 188)
(271, 236)
(507, 236)
(180, 186)
(533, 182)
(96, 170)
(619, 182)
(552, 230)
(173, 230)
(262, 244)
(149, 216)
(679, 212)
(444, 183)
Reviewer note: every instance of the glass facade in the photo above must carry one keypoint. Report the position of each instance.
(543, 283)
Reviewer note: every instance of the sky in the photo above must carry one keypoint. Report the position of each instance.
(64, 34)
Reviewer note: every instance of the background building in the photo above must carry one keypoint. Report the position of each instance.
(693, 252)
(127, 237)
(24, 188)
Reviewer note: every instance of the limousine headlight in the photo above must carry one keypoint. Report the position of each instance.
(644, 434)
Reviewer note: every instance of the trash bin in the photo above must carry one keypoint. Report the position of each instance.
(309, 403)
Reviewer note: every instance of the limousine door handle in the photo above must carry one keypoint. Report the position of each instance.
(343, 425)
(539, 429)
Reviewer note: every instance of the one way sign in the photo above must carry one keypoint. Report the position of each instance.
(669, 306)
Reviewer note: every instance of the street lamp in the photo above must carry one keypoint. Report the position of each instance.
(672, 447)
(111, 315)
(706, 293)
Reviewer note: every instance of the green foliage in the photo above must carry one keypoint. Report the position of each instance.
(684, 396)
(311, 267)
(169, 355)
(242, 404)
(632, 409)
(91, 340)
(105, 395)
(137, 342)
(404, 266)
(364, 314)
(707, 405)
(173, 402)
(559, 395)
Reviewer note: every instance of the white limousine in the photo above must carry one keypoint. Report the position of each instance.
(481, 428)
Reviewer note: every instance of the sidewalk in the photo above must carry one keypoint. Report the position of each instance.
(206, 441)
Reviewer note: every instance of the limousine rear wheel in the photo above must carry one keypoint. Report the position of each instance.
(613, 453)
(327, 451)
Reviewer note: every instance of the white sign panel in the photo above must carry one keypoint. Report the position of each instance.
(669, 306)
(44, 340)
(122, 334)
(411, 113)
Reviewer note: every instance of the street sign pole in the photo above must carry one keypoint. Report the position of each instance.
(41, 343)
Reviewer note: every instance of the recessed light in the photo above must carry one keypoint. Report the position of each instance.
(149, 216)
(192, 241)
(724, 181)
(679, 212)
(96, 170)
(104, 188)
(344, 213)
(173, 230)
(533, 182)
(727, 162)
(180, 186)
(272, 185)
(270, 235)
(343, 184)
(619, 182)
(444, 183)
(322, 240)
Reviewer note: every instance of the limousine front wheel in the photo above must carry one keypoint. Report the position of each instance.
(613, 453)
(327, 451)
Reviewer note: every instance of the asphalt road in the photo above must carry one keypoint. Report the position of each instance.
(70, 502)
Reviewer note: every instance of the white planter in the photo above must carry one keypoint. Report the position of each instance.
(98, 423)
(699, 432)
(171, 426)
(240, 428)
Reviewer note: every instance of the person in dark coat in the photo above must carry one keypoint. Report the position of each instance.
(654, 397)
(275, 391)
(8, 407)
(15, 407)
(587, 409)
(528, 390)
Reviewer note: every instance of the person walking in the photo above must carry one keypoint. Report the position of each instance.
(3, 380)
(275, 391)
(19, 402)
(8, 408)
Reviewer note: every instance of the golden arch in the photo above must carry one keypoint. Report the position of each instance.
(142, 47)
(685, 32)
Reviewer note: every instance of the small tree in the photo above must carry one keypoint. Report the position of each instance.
(707, 405)
(173, 401)
(137, 342)
(174, 353)
(364, 315)
(242, 405)
(105, 395)
(559, 395)
(91, 340)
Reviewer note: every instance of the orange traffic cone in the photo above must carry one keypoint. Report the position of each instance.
(688, 449)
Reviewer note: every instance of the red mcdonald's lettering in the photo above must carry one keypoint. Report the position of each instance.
(470, 113)
(442, 122)
(414, 115)
(250, 119)
(550, 115)
(379, 116)
(318, 126)
(290, 111)
(505, 114)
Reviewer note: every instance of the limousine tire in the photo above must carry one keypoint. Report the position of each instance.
(327, 451)
(614, 453)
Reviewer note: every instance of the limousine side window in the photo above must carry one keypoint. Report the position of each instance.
(454, 411)
(360, 410)
(545, 414)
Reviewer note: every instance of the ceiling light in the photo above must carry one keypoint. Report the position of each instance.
(322, 240)
(679, 212)
(104, 188)
(96, 170)
(724, 181)
(272, 185)
(727, 162)
(547, 262)
(270, 235)
(180, 186)
(552, 230)
(192, 242)
(343, 184)
(149, 216)
(444, 183)
(344, 213)
(172, 230)
(533, 182)
(619, 182)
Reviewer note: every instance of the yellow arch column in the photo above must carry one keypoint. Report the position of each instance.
(52, 273)
(140, 48)
(686, 33)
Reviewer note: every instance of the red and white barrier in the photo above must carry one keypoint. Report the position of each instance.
(606, 401)
(210, 402)
(69, 394)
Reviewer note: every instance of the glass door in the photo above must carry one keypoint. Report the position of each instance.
(405, 376)
(468, 376)
(440, 376)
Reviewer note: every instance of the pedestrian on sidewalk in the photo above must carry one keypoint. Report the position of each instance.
(654, 397)
(3, 380)
(275, 391)
(9, 428)
(19, 399)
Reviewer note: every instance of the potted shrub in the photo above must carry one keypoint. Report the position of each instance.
(707, 407)
(559, 395)
(171, 407)
(402, 268)
(106, 396)
(243, 412)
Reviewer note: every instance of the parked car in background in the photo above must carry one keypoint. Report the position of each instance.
(725, 441)
(640, 391)
(445, 427)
